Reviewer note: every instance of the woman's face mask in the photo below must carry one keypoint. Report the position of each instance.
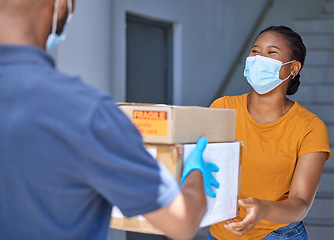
(54, 38)
(262, 73)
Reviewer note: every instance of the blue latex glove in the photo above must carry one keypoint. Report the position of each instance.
(195, 161)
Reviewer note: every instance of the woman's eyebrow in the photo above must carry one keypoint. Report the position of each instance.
(274, 47)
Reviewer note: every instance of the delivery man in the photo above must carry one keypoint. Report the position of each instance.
(68, 154)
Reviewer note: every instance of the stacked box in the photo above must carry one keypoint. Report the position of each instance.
(165, 124)
(170, 133)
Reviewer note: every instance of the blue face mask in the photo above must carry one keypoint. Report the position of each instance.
(262, 73)
(54, 38)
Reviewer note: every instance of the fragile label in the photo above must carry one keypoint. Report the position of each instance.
(151, 123)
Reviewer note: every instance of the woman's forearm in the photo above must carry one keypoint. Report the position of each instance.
(286, 211)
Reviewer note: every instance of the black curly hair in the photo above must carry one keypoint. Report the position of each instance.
(298, 52)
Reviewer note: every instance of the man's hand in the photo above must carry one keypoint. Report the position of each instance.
(195, 162)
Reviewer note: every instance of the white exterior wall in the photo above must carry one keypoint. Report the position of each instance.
(208, 34)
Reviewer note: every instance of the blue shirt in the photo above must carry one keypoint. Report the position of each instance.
(67, 155)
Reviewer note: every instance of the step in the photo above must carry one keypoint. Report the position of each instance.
(326, 183)
(321, 25)
(318, 222)
(326, 16)
(329, 8)
(314, 74)
(319, 233)
(320, 58)
(330, 129)
(329, 165)
(322, 208)
(318, 41)
(324, 111)
(304, 95)
(321, 93)
(324, 94)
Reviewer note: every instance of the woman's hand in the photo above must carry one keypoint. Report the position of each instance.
(256, 210)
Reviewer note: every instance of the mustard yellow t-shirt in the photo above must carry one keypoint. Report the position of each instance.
(270, 156)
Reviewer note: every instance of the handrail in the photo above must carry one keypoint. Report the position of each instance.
(242, 51)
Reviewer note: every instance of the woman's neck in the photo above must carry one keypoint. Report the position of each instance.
(268, 107)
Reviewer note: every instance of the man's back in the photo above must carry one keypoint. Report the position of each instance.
(61, 146)
(68, 153)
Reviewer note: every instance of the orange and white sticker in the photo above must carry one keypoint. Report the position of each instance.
(151, 123)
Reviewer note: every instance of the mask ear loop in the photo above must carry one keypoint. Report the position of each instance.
(70, 9)
(288, 62)
(293, 76)
(54, 20)
(285, 78)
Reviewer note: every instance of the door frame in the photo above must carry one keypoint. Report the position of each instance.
(168, 27)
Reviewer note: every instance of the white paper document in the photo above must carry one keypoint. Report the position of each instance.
(227, 157)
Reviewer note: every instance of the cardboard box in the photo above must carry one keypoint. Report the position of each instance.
(169, 124)
(226, 155)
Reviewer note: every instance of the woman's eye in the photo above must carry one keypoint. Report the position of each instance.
(271, 52)
(254, 51)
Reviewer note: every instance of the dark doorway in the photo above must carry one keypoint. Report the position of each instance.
(148, 60)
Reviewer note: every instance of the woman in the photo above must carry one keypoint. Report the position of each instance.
(286, 146)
